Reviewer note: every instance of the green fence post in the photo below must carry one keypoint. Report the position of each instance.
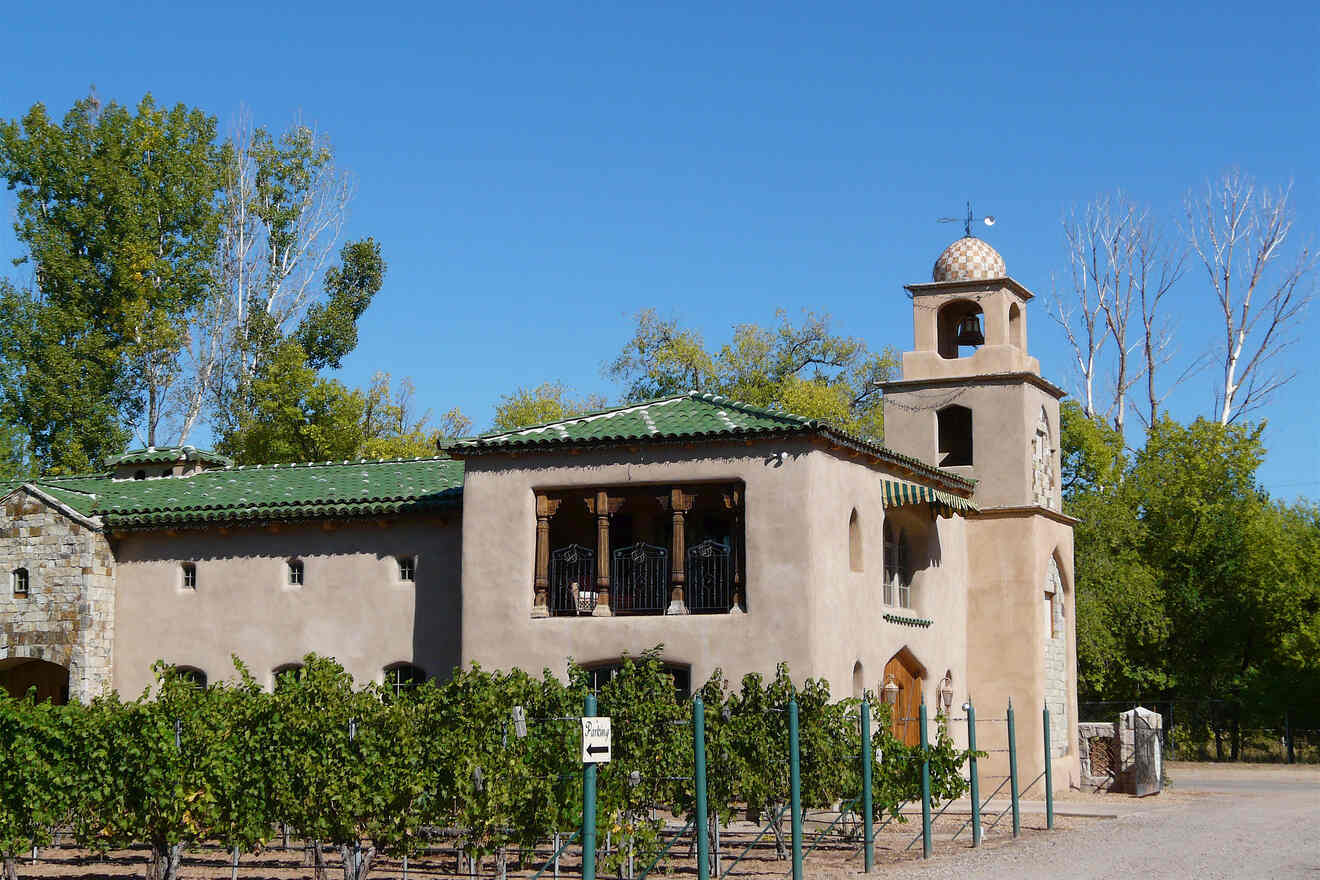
(925, 785)
(589, 805)
(974, 775)
(1049, 772)
(1012, 771)
(868, 832)
(701, 822)
(795, 787)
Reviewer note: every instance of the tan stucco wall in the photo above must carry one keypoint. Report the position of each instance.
(849, 606)
(804, 604)
(499, 547)
(1006, 635)
(1004, 417)
(351, 606)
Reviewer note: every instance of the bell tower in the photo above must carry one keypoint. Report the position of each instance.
(971, 398)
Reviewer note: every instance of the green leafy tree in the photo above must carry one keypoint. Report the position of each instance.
(282, 207)
(296, 416)
(547, 402)
(392, 429)
(805, 367)
(1122, 622)
(116, 211)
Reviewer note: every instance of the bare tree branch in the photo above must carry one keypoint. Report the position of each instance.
(1239, 232)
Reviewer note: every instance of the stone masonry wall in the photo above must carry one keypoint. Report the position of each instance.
(68, 615)
(1056, 662)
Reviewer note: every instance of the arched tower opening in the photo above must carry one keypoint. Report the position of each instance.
(954, 425)
(959, 329)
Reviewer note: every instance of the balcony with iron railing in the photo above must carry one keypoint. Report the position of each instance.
(664, 550)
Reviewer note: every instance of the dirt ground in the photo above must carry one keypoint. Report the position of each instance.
(832, 857)
(1171, 820)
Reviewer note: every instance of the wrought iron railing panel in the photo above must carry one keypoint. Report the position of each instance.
(639, 580)
(709, 578)
(572, 580)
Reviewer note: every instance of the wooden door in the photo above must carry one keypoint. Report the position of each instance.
(906, 724)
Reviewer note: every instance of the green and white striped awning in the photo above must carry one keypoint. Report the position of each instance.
(899, 494)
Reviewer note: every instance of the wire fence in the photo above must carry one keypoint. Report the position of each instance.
(773, 841)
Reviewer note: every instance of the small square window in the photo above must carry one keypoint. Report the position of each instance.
(407, 568)
(20, 582)
(295, 573)
(189, 576)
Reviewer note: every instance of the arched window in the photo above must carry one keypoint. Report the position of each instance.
(192, 674)
(287, 675)
(955, 435)
(1016, 336)
(898, 578)
(402, 678)
(600, 674)
(19, 581)
(854, 542)
(859, 681)
(295, 572)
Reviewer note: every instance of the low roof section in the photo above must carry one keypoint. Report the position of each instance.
(696, 416)
(260, 493)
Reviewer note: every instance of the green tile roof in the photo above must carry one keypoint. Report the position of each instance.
(693, 415)
(169, 454)
(264, 492)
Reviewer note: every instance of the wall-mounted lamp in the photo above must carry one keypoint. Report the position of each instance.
(945, 691)
(889, 693)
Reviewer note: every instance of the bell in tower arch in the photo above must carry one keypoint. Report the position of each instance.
(969, 331)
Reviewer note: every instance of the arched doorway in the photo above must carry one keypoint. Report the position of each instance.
(18, 674)
(904, 671)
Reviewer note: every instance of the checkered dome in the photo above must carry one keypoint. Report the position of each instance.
(969, 259)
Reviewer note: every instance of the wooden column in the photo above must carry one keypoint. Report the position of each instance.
(678, 503)
(733, 502)
(602, 506)
(546, 507)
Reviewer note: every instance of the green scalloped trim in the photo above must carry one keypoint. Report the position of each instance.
(908, 621)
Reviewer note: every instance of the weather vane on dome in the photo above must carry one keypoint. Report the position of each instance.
(988, 220)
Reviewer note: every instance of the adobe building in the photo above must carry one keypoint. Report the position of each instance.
(736, 537)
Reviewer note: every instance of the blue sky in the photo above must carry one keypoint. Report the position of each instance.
(537, 173)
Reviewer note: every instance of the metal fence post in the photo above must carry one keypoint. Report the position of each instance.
(975, 776)
(1012, 771)
(868, 832)
(795, 787)
(1049, 772)
(589, 804)
(1288, 738)
(700, 823)
(925, 785)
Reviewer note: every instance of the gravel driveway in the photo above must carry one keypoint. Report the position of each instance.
(1224, 821)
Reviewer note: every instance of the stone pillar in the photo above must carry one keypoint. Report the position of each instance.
(546, 507)
(678, 503)
(602, 506)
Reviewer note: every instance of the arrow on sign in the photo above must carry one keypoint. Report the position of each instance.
(597, 750)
